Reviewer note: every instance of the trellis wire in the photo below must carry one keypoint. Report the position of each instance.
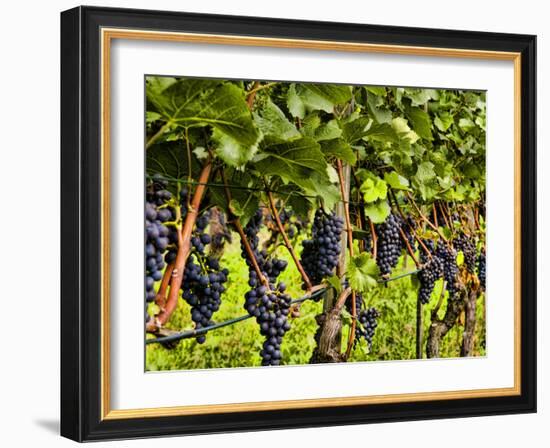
(194, 333)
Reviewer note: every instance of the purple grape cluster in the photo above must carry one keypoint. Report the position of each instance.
(467, 246)
(389, 244)
(450, 269)
(320, 255)
(203, 279)
(269, 304)
(270, 307)
(367, 319)
(432, 270)
(157, 235)
(481, 268)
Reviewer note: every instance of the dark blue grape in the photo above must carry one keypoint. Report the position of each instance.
(450, 268)
(389, 244)
(321, 254)
(481, 268)
(432, 270)
(467, 246)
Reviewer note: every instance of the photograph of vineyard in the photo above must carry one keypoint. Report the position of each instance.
(303, 223)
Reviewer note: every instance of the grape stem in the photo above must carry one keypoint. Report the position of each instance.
(265, 86)
(184, 249)
(411, 228)
(288, 245)
(350, 247)
(425, 219)
(161, 131)
(374, 239)
(439, 301)
(160, 298)
(252, 94)
(237, 224)
(409, 248)
(444, 214)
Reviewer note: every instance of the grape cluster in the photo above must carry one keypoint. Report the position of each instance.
(203, 278)
(270, 305)
(481, 269)
(389, 244)
(158, 235)
(366, 319)
(431, 271)
(271, 267)
(468, 248)
(320, 254)
(202, 288)
(369, 321)
(290, 226)
(156, 243)
(450, 268)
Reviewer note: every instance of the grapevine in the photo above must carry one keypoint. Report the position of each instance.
(311, 222)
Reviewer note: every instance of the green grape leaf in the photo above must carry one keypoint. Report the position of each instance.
(314, 128)
(401, 126)
(170, 160)
(378, 211)
(335, 282)
(373, 189)
(340, 149)
(355, 130)
(231, 151)
(150, 117)
(443, 121)
(301, 163)
(379, 114)
(311, 97)
(362, 272)
(376, 90)
(195, 102)
(396, 181)
(420, 122)
(466, 124)
(294, 103)
(381, 133)
(272, 121)
(425, 171)
(419, 97)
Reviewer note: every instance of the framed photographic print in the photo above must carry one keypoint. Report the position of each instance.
(275, 224)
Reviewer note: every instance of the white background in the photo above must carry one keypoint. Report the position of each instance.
(29, 117)
(131, 60)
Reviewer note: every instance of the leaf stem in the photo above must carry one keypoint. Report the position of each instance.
(240, 231)
(409, 248)
(411, 228)
(251, 95)
(425, 219)
(158, 134)
(288, 245)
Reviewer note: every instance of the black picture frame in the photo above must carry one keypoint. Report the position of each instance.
(81, 208)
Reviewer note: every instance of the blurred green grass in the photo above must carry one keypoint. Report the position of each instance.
(239, 345)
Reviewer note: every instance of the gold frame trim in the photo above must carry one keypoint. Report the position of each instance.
(107, 35)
